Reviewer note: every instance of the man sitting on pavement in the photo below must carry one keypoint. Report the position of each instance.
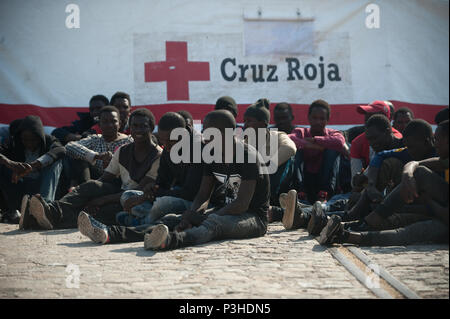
(136, 164)
(242, 215)
(424, 182)
(91, 155)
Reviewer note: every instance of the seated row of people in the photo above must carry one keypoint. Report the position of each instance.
(140, 187)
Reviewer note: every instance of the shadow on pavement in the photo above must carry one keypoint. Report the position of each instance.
(16, 232)
(319, 248)
(140, 251)
(411, 248)
(59, 231)
(81, 244)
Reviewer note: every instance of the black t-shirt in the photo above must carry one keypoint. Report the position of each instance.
(228, 180)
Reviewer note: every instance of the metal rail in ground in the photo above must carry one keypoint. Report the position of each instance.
(371, 275)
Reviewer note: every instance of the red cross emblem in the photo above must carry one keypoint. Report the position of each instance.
(177, 71)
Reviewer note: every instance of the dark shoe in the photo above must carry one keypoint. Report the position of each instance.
(318, 219)
(92, 228)
(40, 210)
(293, 217)
(274, 214)
(158, 239)
(10, 217)
(332, 231)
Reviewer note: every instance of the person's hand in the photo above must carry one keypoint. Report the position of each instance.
(374, 194)
(360, 180)
(313, 146)
(193, 217)
(133, 201)
(19, 170)
(150, 191)
(105, 157)
(189, 219)
(408, 189)
(182, 226)
(93, 206)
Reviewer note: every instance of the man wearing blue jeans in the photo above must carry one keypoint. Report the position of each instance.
(30, 164)
(175, 186)
(243, 213)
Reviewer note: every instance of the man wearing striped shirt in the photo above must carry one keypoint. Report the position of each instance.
(92, 154)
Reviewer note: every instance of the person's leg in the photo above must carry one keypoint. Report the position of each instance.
(138, 212)
(101, 233)
(49, 178)
(123, 234)
(360, 209)
(430, 231)
(329, 171)
(280, 181)
(215, 227)
(165, 205)
(427, 182)
(63, 213)
(298, 176)
(375, 221)
(13, 192)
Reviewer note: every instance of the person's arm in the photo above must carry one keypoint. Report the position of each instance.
(286, 148)
(83, 149)
(201, 200)
(334, 140)
(436, 164)
(190, 186)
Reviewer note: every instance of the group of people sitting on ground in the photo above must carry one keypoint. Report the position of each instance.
(117, 179)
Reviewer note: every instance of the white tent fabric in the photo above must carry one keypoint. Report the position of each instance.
(44, 63)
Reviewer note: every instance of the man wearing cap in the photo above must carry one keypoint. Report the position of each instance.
(360, 151)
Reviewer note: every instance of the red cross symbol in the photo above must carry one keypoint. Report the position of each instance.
(177, 71)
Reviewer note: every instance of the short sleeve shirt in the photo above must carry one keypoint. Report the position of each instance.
(124, 165)
(229, 178)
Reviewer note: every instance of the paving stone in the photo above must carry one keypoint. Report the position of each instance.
(279, 265)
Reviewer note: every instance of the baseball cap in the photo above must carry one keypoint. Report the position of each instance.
(375, 107)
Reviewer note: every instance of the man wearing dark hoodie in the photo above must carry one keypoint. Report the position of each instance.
(83, 127)
(30, 165)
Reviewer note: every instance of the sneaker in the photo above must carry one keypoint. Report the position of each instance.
(293, 217)
(318, 219)
(40, 210)
(24, 213)
(158, 239)
(92, 228)
(282, 199)
(331, 231)
(322, 196)
(289, 209)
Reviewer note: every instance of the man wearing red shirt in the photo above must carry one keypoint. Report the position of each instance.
(317, 150)
(360, 150)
